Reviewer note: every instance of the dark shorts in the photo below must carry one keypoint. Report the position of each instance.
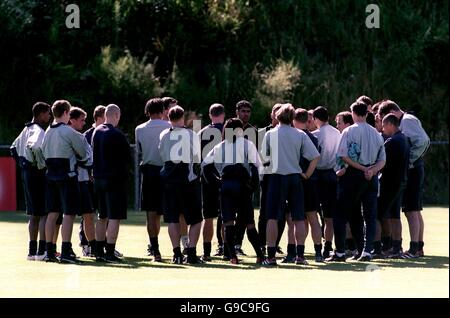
(151, 189)
(211, 200)
(86, 205)
(311, 195)
(282, 190)
(236, 202)
(412, 198)
(63, 196)
(112, 198)
(183, 198)
(34, 184)
(327, 185)
(390, 200)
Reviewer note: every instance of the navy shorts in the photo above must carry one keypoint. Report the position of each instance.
(282, 190)
(183, 198)
(327, 185)
(112, 198)
(413, 196)
(34, 185)
(311, 195)
(211, 200)
(236, 202)
(86, 205)
(63, 196)
(151, 189)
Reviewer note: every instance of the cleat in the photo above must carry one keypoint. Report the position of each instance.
(269, 262)
(326, 254)
(279, 250)
(68, 259)
(335, 258)
(300, 260)
(318, 258)
(177, 259)
(395, 255)
(288, 259)
(31, 257)
(185, 251)
(219, 251)
(100, 259)
(117, 253)
(234, 261)
(420, 253)
(408, 255)
(50, 259)
(239, 250)
(194, 260)
(113, 259)
(365, 257)
(378, 256)
(260, 260)
(40, 257)
(157, 258)
(205, 258)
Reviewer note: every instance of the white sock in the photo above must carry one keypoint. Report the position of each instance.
(185, 241)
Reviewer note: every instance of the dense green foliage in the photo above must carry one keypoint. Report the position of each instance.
(203, 51)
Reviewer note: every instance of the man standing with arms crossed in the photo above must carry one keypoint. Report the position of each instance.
(25, 150)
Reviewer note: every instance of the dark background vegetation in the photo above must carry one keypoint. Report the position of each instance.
(306, 52)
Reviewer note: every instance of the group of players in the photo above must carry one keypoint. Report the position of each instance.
(347, 183)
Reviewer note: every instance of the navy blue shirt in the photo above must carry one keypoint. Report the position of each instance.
(88, 134)
(111, 152)
(397, 160)
(205, 132)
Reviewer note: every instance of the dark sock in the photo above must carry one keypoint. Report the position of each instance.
(413, 247)
(291, 249)
(318, 249)
(155, 245)
(54, 247)
(328, 246)
(421, 244)
(271, 250)
(253, 237)
(41, 247)
(50, 250)
(396, 246)
(207, 248)
(65, 248)
(377, 247)
(219, 231)
(32, 247)
(229, 240)
(300, 250)
(387, 243)
(110, 248)
(100, 249)
(93, 245)
(192, 252)
(177, 251)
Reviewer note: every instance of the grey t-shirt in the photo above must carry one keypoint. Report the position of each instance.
(283, 146)
(411, 127)
(362, 143)
(147, 141)
(328, 138)
(180, 145)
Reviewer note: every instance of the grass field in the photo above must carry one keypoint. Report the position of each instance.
(139, 277)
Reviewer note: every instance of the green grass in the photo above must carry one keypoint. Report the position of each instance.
(139, 277)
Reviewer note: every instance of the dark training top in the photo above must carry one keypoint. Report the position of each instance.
(111, 152)
(304, 163)
(397, 160)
